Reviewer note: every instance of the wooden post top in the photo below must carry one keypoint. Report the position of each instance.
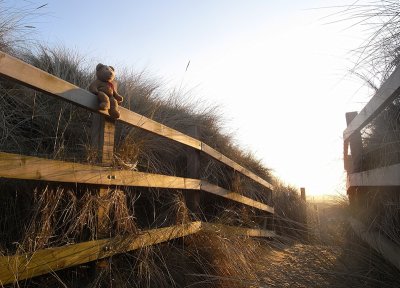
(303, 193)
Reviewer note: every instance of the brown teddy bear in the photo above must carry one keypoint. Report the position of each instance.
(105, 87)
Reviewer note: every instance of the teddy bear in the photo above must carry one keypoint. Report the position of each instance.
(105, 87)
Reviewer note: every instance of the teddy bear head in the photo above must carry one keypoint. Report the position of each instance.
(105, 73)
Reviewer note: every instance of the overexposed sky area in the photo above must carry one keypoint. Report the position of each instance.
(278, 69)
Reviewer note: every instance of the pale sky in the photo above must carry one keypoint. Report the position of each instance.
(278, 69)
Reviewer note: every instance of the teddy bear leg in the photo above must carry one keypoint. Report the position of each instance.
(114, 111)
(104, 101)
(118, 97)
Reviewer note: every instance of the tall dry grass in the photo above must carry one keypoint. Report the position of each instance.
(290, 219)
(358, 265)
(381, 138)
(36, 215)
(378, 54)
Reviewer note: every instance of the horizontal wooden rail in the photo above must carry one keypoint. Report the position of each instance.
(386, 93)
(17, 166)
(21, 72)
(384, 176)
(389, 250)
(214, 189)
(19, 267)
(220, 157)
(238, 231)
(34, 168)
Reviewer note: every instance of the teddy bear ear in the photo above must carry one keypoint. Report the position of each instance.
(112, 68)
(99, 66)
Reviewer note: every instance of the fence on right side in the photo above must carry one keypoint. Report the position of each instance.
(372, 161)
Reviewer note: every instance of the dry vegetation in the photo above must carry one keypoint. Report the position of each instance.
(378, 55)
(36, 215)
(381, 139)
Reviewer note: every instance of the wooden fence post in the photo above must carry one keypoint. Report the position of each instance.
(103, 133)
(303, 194)
(304, 219)
(268, 222)
(353, 164)
(193, 198)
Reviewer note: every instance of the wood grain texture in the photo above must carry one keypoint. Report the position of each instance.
(19, 267)
(17, 166)
(103, 134)
(385, 176)
(34, 168)
(140, 121)
(385, 94)
(214, 189)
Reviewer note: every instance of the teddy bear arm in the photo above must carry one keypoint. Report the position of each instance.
(117, 96)
(93, 87)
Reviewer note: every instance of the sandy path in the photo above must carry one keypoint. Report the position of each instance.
(299, 266)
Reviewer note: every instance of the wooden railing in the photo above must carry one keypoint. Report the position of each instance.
(385, 176)
(14, 166)
(360, 178)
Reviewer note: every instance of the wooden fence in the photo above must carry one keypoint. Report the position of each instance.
(14, 166)
(360, 176)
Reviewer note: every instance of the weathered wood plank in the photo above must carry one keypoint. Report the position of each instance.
(27, 75)
(389, 250)
(214, 189)
(385, 176)
(239, 231)
(19, 267)
(103, 134)
(222, 158)
(34, 168)
(386, 93)
(140, 121)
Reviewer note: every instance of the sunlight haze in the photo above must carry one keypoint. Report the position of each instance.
(278, 69)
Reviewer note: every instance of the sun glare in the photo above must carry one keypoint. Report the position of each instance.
(281, 94)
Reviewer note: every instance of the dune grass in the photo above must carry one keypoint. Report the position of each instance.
(35, 216)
